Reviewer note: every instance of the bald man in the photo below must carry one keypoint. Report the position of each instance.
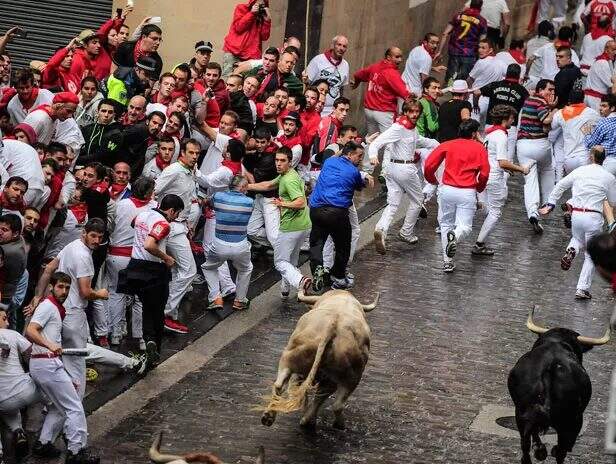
(135, 111)
(332, 67)
(600, 80)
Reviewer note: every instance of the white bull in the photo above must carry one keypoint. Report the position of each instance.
(159, 458)
(330, 344)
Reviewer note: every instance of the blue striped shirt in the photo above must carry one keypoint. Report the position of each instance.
(233, 210)
(603, 134)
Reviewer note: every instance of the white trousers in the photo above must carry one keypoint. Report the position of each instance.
(402, 181)
(592, 102)
(75, 333)
(66, 410)
(184, 270)
(118, 302)
(286, 257)
(585, 226)
(560, 10)
(264, 222)
(558, 156)
(456, 209)
(378, 121)
(575, 162)
(239, 255)
(99, 355)
(610, 164)
(483, 104)
(329, 250)
(10, 408)
(493, 199)
(538, 183)
(226, 283)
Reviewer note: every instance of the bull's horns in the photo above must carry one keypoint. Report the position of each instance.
(155, 454)
(595, 341)
(531, 325)
(301, 296)
(371, 306)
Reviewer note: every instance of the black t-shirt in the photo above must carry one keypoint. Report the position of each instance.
(504, 93)
(263, 167)
(271, 126)
(567, 79)
(449, 118)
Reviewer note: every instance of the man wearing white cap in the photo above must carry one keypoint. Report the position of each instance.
(453, 112)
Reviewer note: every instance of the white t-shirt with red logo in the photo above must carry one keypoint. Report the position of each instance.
(123, 233)
(150, 223)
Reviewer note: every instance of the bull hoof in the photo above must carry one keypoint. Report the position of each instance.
(541, 453)
(268, 418)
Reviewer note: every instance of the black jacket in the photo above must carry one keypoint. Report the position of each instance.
(103, 144)
(240, 104)
(136, 141)
(125, 56)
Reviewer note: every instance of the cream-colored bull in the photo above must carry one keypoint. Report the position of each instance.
(330, 345)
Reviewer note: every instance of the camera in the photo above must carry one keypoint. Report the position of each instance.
(210, 93)
(262, 9)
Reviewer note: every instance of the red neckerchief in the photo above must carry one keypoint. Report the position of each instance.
(430, 99)
(598, 32)
(289, 142)
(235, 135)
(58, 306)
(234, 166)
(425, 46)
(116, 189)
(603, 56)
(271, 148)
(513, 80)
(21, 206)
(138, 53)
(46, 109)
(562, 43)
(100, 187)
(329, 54)
(80, 211)
(30, 102)
(518, 56)
(156, 98)
(406, 123)
(161, 163)
(471, 12)
(125, 122)
(139, 203)
(494, 128)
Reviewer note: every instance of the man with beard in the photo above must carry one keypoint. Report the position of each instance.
(290, 138)
(419, 63)
(146, 46)
(28, 97)
(138, 138)
(218, 87)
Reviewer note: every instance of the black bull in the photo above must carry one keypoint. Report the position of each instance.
(550, 388)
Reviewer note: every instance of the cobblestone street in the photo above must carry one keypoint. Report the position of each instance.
(442, 346)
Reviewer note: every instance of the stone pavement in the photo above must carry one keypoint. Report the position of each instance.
(442, 346)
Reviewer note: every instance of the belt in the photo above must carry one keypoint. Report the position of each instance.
(401, 161)
(120, 250)
(594, 93)
(48, 355)
(585, 210)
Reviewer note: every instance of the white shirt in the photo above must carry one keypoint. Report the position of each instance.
(492, 11)
(151, 169)
(590, 50)
(123, 232)
(590, 185)
(574, 145)
(336, 76)
(178, 180)
(496, 144)
(155, 107)
(69, 133)
(544, 66)
(599, 77)
(296, 150)
(506, 59)
(401, 143)
(13, 379)
(43, 125)
(20, 159)
(70, 231)
(18, 113)
(47, 316)
(150, 223)
(213, 157)
(419, 62)
(76, 260)
(217, 181)
(486, 70)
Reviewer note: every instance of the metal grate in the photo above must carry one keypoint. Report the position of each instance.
(51, 24)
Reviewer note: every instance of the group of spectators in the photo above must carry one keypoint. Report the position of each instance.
(126, 181)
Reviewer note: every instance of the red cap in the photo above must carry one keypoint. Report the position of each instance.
(66, 97)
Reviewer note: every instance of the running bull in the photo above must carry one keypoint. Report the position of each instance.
(550, 388)
(330, 345)
(157, 457)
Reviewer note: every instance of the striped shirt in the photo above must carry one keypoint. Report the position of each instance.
(233, 210)
(534, 111)
(603, 134)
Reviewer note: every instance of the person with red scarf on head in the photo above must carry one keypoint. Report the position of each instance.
(419, 63)
(332, 67)
(57, 73)
(402, 176)
(600, 80)
(594, 42)
(250, 27)
(43, 118)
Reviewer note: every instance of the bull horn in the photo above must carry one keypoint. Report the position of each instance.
(595, 341)
(261, 456)
(155, 455)
(305, 298)
(531, 325)
(371, 306)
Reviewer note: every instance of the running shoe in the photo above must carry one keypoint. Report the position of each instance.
(216, 304)
(175, 326)
(537, 227)
(567, 259)
(482, 250)
(411, 239)
(449, 267)
(582, 294)
(151, 351)
(452, 245)
(141, 364)
(47, 450)
(340, 284)
(379, 241)
(241, 305)
(84, 456)
(21, 444)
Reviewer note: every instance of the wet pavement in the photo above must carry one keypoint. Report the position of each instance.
(442, 346)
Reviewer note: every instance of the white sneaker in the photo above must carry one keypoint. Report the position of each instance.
(116, 339)
(141, 344)
(123, 329)
(411, 239)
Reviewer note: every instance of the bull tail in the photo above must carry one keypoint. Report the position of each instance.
(298, 393)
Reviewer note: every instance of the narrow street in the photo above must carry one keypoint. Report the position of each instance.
(442, 346)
